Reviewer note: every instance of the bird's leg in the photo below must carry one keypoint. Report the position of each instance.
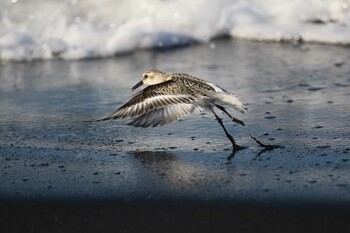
(230, 116)
(235, 146)
(265, 146)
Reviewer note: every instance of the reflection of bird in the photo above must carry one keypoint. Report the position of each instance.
(172, 96)
(155, 157)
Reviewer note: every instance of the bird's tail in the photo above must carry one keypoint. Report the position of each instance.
(224, 98)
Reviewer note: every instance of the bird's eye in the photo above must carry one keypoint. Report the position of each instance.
(145, 76)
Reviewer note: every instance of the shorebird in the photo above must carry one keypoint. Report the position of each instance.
(168, 97)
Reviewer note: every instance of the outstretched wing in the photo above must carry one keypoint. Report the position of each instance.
(151, 98)
(164, 115)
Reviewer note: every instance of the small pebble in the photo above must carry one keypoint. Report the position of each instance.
(339, 64)
(315, 88)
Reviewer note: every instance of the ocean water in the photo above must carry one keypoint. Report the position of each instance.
(73, 29)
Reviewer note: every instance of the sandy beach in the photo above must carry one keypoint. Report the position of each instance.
(60, 171)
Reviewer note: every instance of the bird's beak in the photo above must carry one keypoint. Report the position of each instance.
(139, 84)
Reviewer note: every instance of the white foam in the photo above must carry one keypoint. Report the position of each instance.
(73, 29)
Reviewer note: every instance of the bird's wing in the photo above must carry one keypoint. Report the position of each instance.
(151, 98)
(164, 115)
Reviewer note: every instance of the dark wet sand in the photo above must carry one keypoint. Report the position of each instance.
(61, 173)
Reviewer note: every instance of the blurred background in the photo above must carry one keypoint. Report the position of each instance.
(74, 29)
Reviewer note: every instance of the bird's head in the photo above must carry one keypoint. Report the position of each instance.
(152, 77)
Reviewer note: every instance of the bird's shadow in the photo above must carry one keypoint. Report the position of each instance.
(154, 157)
(159, 163)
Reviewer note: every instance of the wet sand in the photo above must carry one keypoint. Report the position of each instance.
(55, 163)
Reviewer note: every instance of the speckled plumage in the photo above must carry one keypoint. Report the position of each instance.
(172, 96)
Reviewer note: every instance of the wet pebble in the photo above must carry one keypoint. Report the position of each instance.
(289, 101)
(160, 148)
(341, 85)
(339, 64)
(322, 147)
(315, 88)
(318, 127)
(270, 117)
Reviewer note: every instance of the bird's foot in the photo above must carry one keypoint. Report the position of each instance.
(265, 146)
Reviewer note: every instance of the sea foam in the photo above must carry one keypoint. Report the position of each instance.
(73, 29)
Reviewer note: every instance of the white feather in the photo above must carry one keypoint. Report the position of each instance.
(164, 115)
(225, 98)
